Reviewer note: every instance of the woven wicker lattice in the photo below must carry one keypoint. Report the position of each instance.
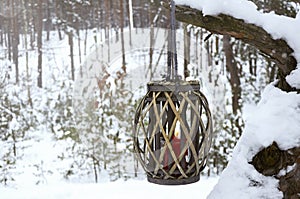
(172, 132)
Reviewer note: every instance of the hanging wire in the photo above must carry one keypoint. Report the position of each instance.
(172, 72)
(173, 28)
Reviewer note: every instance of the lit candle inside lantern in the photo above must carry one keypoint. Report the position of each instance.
(175, 142)
(176, 139)
(176, 145)
(177, 130)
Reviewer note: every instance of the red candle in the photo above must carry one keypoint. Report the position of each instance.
(175, 142)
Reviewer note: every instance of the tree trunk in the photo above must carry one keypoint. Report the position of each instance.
(1, 31)
(107, 26)
(130, 17)
(9, 38)
(234, 78)
(48, 26)
(26, 54)
(122, 36)
(71, 45)
(39, 42)
(271, 160)
(58, 12)
(33, 24)
(15, 40)
(151, 50)
(95, 167)
(79, 45)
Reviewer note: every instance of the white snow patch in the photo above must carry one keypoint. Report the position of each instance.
(276, 118)
(293, 78)
(132, 189)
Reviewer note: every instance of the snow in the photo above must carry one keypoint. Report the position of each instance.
(293, 78)
(269, 121)
(131, 189)
(276, 117)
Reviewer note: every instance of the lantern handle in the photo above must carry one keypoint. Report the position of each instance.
(172, 72)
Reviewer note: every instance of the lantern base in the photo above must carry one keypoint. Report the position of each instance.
(173, 181)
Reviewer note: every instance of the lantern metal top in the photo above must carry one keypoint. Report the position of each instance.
(176, 86)
(172, 132)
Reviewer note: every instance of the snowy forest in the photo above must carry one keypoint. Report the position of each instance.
(73, 73)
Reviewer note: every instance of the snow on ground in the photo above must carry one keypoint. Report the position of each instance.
(131, 189)
(276, 117)
(39, 172)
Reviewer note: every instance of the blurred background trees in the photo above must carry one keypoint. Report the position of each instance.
(32, 97)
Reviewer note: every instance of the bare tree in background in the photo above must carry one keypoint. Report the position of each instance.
(122, 35)
(40, 42)
(234, 78)
(15, 37)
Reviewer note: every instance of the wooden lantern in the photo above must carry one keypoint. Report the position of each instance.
(172, 132)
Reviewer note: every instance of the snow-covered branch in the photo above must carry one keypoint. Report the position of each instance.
(250, 26)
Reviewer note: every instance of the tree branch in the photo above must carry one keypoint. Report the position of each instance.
(277, 49)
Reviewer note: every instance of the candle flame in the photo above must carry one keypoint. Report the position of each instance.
(177, 130)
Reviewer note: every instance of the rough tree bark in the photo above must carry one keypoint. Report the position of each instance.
(271, 160)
